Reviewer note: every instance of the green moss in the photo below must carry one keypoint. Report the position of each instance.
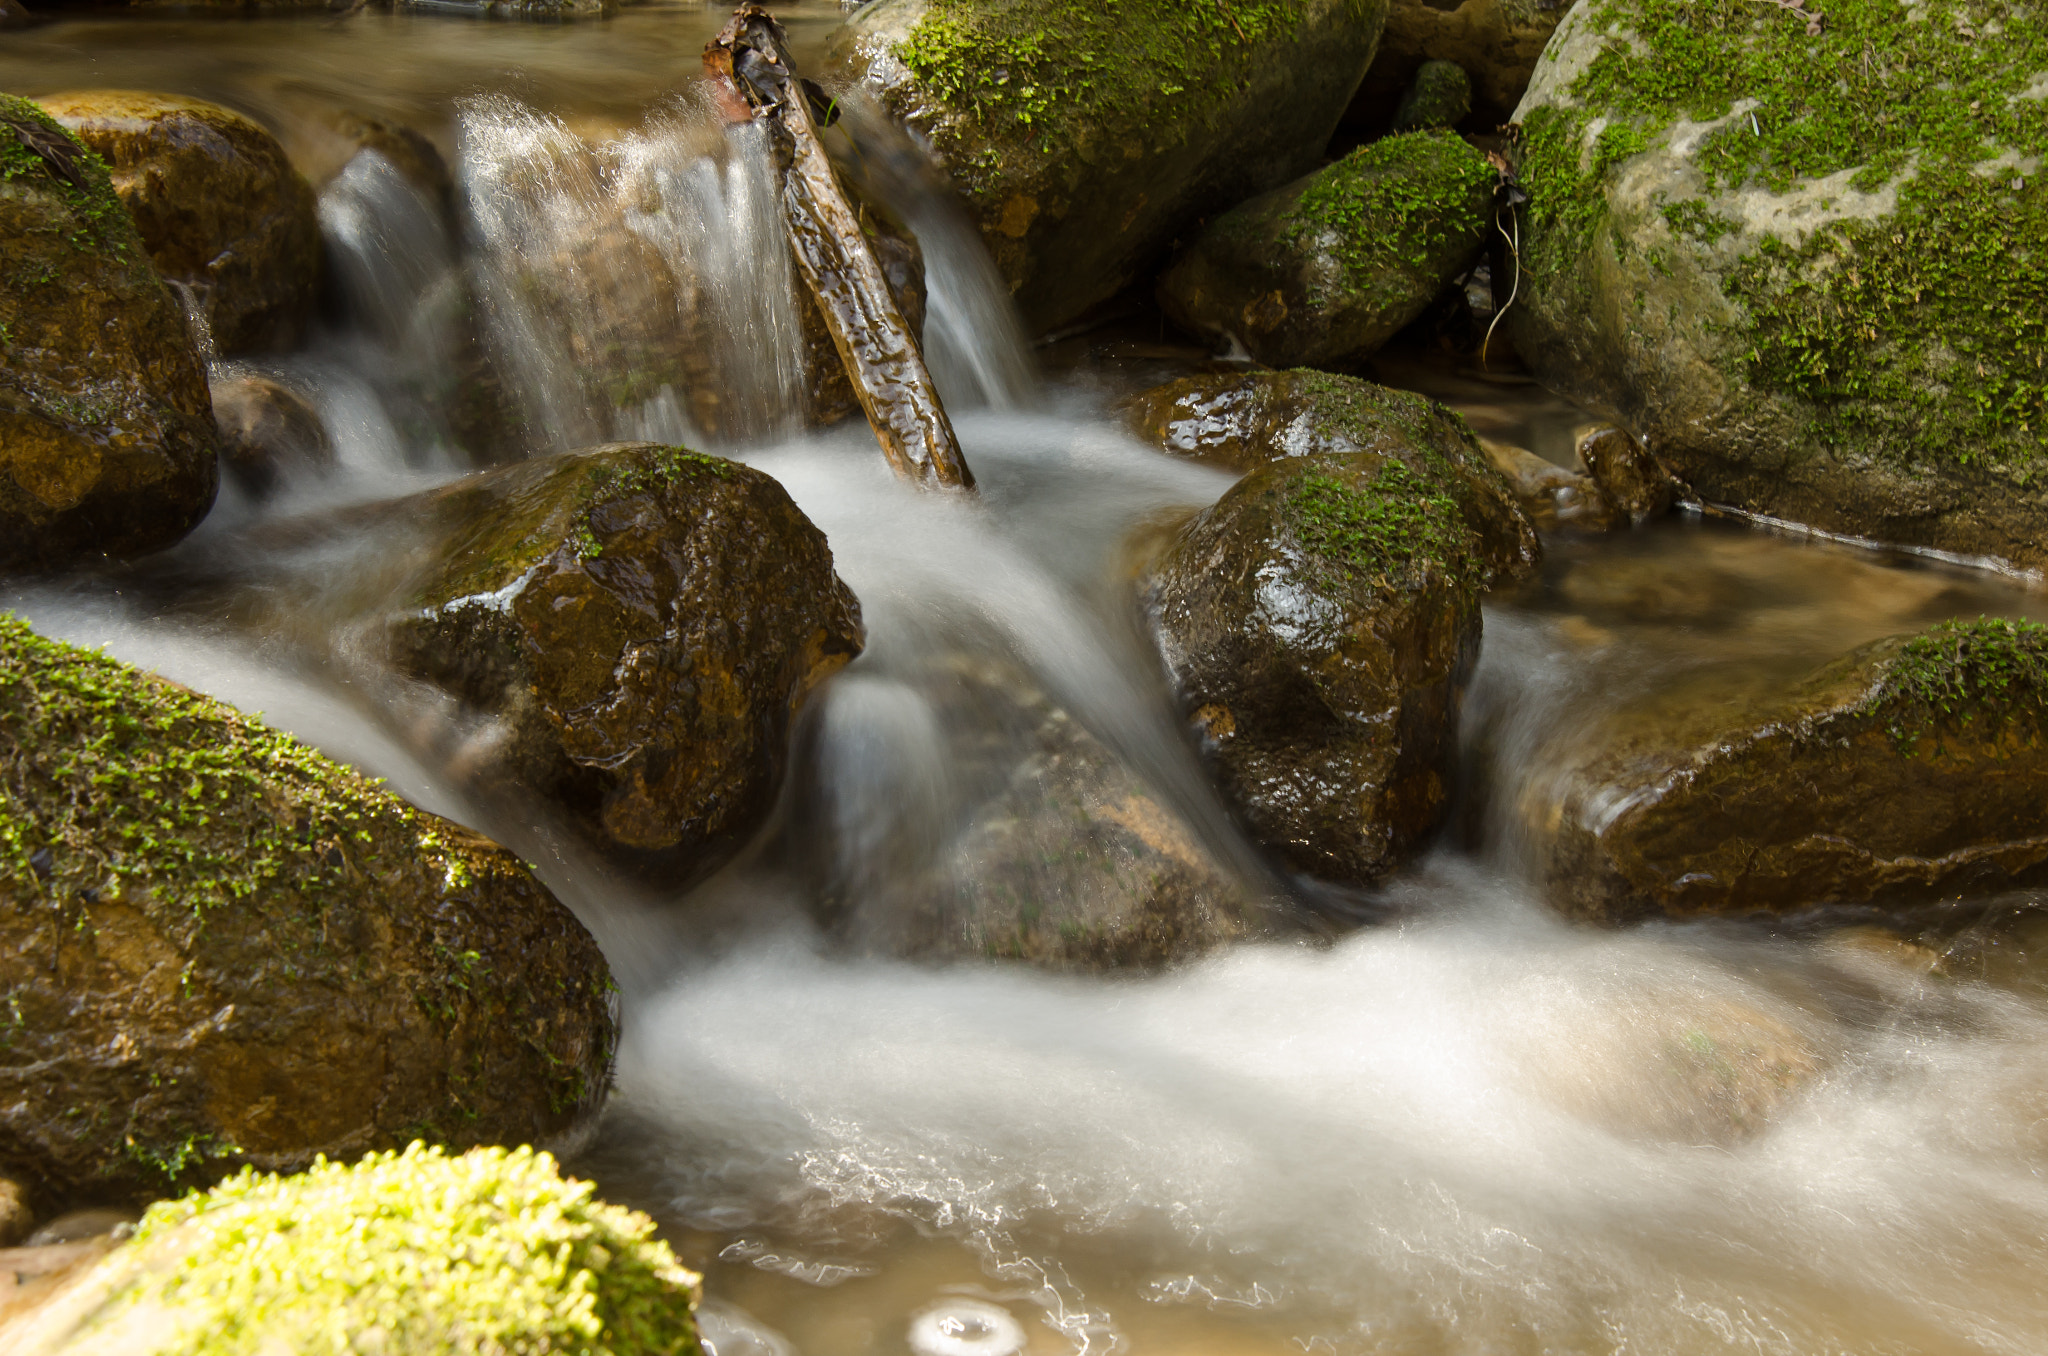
(1394, 205)
(1376, 531)
(1960, 673)
(416, 1253)
(102, 219)
(1360, 413)
(1921, 335)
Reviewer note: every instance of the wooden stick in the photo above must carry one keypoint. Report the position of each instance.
(753, 81)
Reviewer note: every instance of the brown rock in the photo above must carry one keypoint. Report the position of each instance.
(222, 948)
(1628, 476)
(17, 1217)
(267, 432)
(220, 208)
(106, 438)
(1552, 496)
(641, 622)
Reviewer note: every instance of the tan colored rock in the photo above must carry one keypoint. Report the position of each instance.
(221, 948)
(218, 204)
(17, 1217)
(1552, 496)
(268, 432)
(106, 437)
(1628, 477)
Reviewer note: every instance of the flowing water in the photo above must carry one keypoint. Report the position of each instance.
(1464, 1127)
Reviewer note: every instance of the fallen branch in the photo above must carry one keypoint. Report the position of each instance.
(753, 81)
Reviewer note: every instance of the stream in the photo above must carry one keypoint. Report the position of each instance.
(1463, 1126)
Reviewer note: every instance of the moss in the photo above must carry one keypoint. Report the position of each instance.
(1921, 334)
(1960, 673)
(411, 1252)
(1359, 413)
(103, 221)
(1393, 205)
(1376, 531)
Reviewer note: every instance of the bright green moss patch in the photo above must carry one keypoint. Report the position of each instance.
(1394, 205)
(1376, 531)
(1960, 672)
(415, 1252)
(1921, 333)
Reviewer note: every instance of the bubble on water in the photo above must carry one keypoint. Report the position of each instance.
(965, 1327)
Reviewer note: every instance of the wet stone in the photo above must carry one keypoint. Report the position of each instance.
(269, 433)
(1439, 96)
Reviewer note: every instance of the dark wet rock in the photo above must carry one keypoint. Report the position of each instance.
(1908, 771)
(1552, 496)
(640, 622)
(14, 15)
(1321, 620)
(106, 437)
(1328, 268)
(279, 1264)
(1045, 846)
(268, 432)
(221, 948)
(1496, 44)
(1087, 138)
(1806, 298)
(220, 208)
(1628, 477)
(1439, 96)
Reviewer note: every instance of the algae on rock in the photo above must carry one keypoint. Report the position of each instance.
(1805, 261)
(222, 948)
(1325, 270)
(106, 436)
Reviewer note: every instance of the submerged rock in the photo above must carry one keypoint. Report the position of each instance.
(1907, 771)
(218, 204)
(106, 437)
(268, 432)
(640, 622)
(1086, 138)
(1814, 300)
(1495, 43)
(1321, 620)
(1325, 270)
(222, 948)
(492, 1251)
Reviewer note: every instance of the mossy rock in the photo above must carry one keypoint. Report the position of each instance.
(221, 948)
(402, 1253)
(1320, 623)
(1495, 43)
(1086, 137)
(1908, 771)
(218, 204)
(1045, 847)
(641, 622)
(106, 436)
(1439, 96)
(1803, 258)
(1324, 271)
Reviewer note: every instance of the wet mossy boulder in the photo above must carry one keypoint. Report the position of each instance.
(1439, 96)
(640, 623)
(1495, 43)
(1321, 620)
(218, 947)
(106, 436)
(1908, 771)
(218, 204)
(1324, 271)
(1086, 137)
(1802, 257)
(492, 1251)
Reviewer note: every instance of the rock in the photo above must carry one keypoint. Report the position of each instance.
(1552, 496)
(17, 1216)
(491, 1251)
(640, 622)
(1807, 298)
(1496, 44)
(1085, 139)
(77, 1226)
(1044, 846)
(1439, 96)
(13, 15)
(1321, 620)
(1327, 269)
(220, 208)
(1907, 771)
(106, 439)
(1628, 477)
(222, 948)
(325, 144)
(268, 432)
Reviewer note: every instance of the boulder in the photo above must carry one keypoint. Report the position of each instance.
(13, 15)
(492, 1251)
(640, 622)
(1814, 296)
(1086, 138)
(1626, 475)
(1328, 268)
(220, 208)
(1321, 620)
(1495, 43)
(222, 948)
(1552, 496)
(106, 437)
(1044, 846)
(268, 432)
(1439, 96)
(1907, 771)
